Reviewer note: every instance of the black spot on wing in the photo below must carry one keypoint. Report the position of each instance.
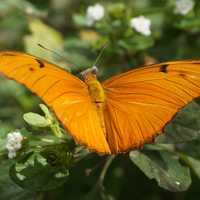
(163, 68)
(182, 75)
(41, 64)
(31, 69)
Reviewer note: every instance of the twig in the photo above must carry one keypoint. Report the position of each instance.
(105, 169)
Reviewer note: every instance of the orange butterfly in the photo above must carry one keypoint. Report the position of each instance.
(120, 113)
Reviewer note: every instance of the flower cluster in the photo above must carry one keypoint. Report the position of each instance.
(14, 143)
(94, 13)
(183, 7)
(141, 24)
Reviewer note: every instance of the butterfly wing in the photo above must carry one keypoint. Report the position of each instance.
(66, 94)
(142, 101)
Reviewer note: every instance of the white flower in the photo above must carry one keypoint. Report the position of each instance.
(11, 154)
(141, 24)
(14, 143)
(184, 6)
(94, 13)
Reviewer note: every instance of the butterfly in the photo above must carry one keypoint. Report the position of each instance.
(121, 113)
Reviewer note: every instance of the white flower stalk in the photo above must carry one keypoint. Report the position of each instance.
(183, 7)
(94, 13)
(141, 24)
(14, 143)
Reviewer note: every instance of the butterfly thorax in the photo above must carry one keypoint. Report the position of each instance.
(94, 86)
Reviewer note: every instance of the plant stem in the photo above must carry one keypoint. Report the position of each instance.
(56, 130)
(105, 169)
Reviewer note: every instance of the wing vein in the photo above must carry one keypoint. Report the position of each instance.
(51, 86)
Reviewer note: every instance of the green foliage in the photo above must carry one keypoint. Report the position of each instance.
(165, 168)
(49, 165)
(34, 172)
(8, 189)
(36, 120)
(185, 127)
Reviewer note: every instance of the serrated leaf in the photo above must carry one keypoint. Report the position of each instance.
(166, 170)
(36, 120)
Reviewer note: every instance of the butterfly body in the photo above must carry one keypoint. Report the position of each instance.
(95, 88)
(97, 94)
(121, 113)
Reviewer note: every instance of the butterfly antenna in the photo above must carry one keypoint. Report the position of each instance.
(54, 52)
(100, 54)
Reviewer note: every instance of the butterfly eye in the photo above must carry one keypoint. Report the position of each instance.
(94, 70)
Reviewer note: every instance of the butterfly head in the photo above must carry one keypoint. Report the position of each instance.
(89, 73)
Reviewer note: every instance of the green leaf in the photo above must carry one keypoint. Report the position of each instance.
(189, 23)
(190, 160)
(79, 20)
(136, 43)
(185, 126)
(8, 189)
(160, 147)
(33, 172)
(46, 111)
(36, 120)
(166, 169)
(193, 163)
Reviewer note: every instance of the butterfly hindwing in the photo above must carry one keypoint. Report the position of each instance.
(66, 94)
(141, 102)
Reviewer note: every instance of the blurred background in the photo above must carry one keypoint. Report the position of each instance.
(138, 32)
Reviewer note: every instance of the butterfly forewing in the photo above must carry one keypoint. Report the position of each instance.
(67, 95)
(139, 103)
